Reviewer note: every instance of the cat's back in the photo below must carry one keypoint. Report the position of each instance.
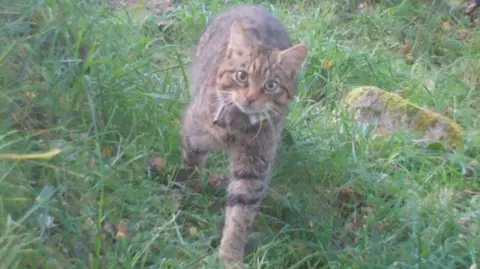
(257, 21)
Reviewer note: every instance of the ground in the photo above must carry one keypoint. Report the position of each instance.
(108, 90)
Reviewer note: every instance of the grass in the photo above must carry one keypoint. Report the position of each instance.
(109, 90)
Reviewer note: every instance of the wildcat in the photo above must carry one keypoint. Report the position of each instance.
(244, 72)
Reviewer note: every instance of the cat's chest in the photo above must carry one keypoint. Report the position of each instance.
(228, 137)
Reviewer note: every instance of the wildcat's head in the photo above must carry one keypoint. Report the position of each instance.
(258, 80)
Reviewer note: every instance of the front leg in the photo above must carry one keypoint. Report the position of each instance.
(250, 167)
(197, 144)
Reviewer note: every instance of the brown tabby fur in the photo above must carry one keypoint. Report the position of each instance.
(241, 112)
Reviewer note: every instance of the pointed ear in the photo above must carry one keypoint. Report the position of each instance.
(239, 40)
(293, 57)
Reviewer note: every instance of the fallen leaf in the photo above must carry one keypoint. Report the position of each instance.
(90, 221)
(356, 223)
(406, 47)
(464, 32)
(409, 57)
(407, 51)
(381, 131)
(327, 64)
(15, 117)
(122, 229)
(430, 85)
(195, 186)
(446, 25)
(155, 165)
(192, 231)
(29, 95)
(91, 160)
(299, 247)
(158, 164)
(106, 151)
(217, 180)
(347, 195)
(380, 225)
(367, 210)
(108, 228)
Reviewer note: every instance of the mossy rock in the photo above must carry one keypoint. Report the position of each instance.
(390, 112)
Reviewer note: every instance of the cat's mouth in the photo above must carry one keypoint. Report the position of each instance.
(246, 109)
(252, 114)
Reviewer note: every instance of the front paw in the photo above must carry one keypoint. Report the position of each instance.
(231, 261)
(185, 175)
(191, 179)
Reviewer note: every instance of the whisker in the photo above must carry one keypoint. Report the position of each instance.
(269, 120)
(220, 110)
(218, 114)
(259, 129)
(273, 110)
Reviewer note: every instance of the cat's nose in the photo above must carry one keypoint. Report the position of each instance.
(250, 97)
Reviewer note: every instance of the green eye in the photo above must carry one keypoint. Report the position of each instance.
(241, 76)
(271, 86)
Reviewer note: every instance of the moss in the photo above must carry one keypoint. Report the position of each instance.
(373, 100)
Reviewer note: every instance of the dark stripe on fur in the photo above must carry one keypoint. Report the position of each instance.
(195, 152)
(241, 200)
(238, 174)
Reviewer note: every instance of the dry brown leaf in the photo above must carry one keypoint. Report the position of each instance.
(382, 131)
(347, 195)
(106, 151)
(327, 64)
(406, 47)
(90, 221)
(122, 229)
(217, 180)
(192, 231)
(195, 186)
(407, 51)
(159, 163)
(108, 228)
(410, 58)
(355, 224)
(299, 247)
(156, 164)
(91, 160)
(464, 32)
(380, 225)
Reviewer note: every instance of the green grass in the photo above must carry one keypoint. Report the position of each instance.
(109, 90)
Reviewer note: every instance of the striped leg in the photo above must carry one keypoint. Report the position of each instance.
(249, 168)
(197, 145)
